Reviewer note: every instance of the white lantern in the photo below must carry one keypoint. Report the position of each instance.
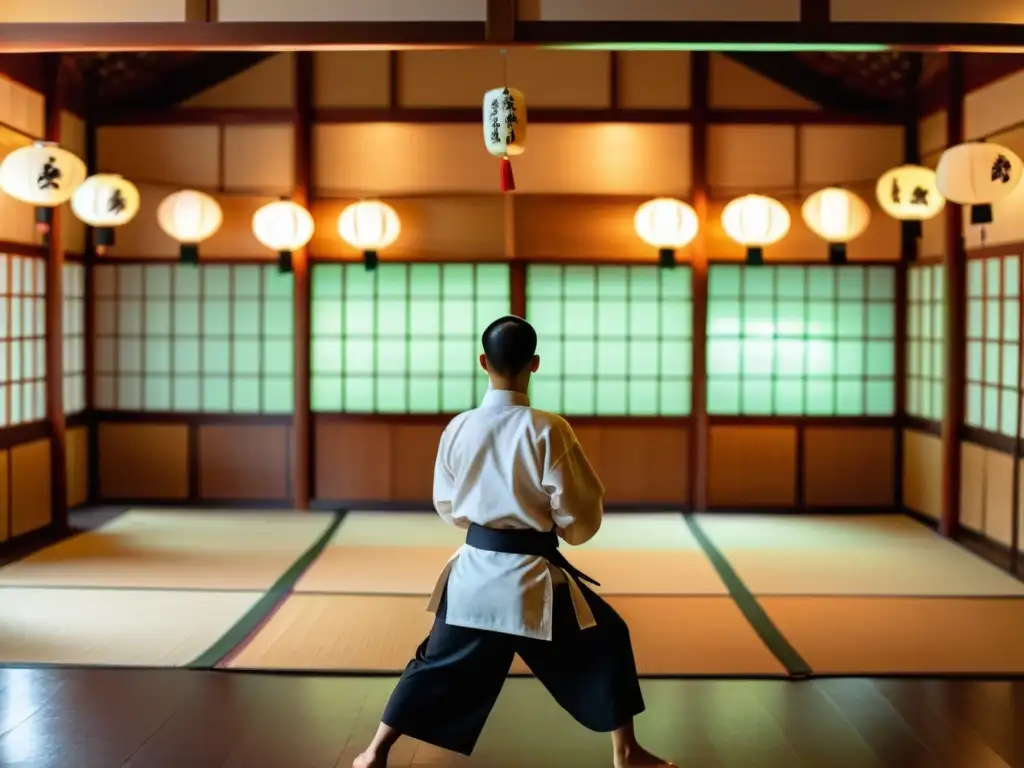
(44, 175)
(666, 224)
(284, 227)
(755, 222)
(910, 193)
(838, 217)
(978, 174)
(190, 217)
(105, 201)
(505, 124)
(369, 226)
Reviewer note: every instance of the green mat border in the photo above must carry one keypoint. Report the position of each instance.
(752, 610)
(265, 606)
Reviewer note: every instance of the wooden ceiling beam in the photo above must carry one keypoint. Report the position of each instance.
(979, 70)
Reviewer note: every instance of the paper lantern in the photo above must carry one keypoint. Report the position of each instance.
(838, 217)
(43, 175)
(755, 221)
(285, 227)
(666, 224)
(370, 226)
(910, 193)
(105, 201)
(978, 174)
(505, 124)
(190, 217)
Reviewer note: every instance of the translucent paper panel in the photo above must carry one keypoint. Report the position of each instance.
(925, 331)
(801, 340)
(613, 340)
(22, 340)
(214, 338)
(404, 338)
(993, 344)
(73, 320)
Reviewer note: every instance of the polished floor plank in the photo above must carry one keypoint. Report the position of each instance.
(93, 718)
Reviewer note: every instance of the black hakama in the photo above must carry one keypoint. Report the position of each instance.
(448, 690)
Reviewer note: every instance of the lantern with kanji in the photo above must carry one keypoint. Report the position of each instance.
(978, 174)
(42, 175)
(505, 129)
(105, 201)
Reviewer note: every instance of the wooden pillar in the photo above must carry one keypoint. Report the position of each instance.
(910, 236)
(54, 304)
(955, 270)
(302, 433)
(699, 79)
(91, 164)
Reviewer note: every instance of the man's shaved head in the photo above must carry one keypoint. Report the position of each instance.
(510, 344)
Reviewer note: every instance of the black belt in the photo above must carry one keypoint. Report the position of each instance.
(523, 541)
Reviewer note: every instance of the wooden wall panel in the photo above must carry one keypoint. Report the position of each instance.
(849, 467)
(659, 10)
(1007, 214)
(986, 492)
(995, 107)
(928, 11)
(30, 487)
(752, 158)
(467, 227)
(412, 453)
(109, 11)
(243, 461)
(78, 466)
(350, 460)
(922, 473)
(143, 461)
(259, 158)
(654, 79)
(267, 84)
(752, 466)
(851, 155)
(352, 79)
(5, 495)
(21, 107)
(643, 464)
(351, 10)
(932, 243)
(931, 133)
(72, 138)
(17, 220)
(175, 155)
(734, 86)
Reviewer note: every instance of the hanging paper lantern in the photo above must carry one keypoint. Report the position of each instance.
(505, 126)
(369, 226)
(838, 217)
(666, 224)
(105, 201)
(755, 221)
(978, 174)
(190, 217)
(44, 175)
(285, 227)
(910, 193)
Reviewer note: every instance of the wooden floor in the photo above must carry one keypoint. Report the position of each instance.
(93, 718)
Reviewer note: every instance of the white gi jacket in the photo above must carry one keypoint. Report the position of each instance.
(506, 465)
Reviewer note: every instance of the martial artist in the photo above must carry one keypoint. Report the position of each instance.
(516, 479)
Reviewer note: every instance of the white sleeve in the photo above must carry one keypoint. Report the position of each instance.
(577, 496)
(444, 483)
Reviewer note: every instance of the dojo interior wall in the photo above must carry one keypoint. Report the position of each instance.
(25, 432)
(578, 186)
(989, 438)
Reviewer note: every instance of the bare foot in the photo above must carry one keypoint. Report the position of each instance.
(636, 757)
(370, 760)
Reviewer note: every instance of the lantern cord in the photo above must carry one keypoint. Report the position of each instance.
(983, 236)
(504, 67)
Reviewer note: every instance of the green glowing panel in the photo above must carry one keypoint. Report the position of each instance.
(801, 340)
(973, 405)
(278, 395)
(1008, 414)
(924, 361)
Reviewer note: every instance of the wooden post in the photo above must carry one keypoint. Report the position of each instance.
(91, 164)
(302, 434)
(955, 270)
(699, 79)
(54, 304)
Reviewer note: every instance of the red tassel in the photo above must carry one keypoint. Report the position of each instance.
(508, 181)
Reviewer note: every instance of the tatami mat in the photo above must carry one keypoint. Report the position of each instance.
(172, 549)
(892, 636)
(359, 633)
(893, 556)
(397, 529)
(109, 627)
